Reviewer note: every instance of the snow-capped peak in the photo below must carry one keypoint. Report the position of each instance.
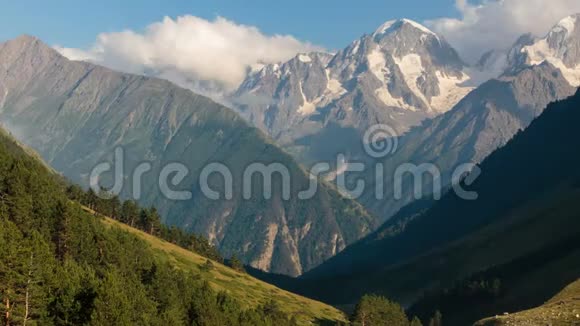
(418, 26)
(558, 48)
(394, 25)
(567, 25)
(304, 58)
(384, 28)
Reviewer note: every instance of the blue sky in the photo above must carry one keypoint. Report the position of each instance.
(192, 44)
(332, 24)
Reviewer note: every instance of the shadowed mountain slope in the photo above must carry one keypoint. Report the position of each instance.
(527, 205)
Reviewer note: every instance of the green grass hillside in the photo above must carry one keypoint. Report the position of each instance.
(246, 289)
(563, 309)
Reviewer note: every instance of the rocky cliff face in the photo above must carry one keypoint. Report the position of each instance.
(76, 114)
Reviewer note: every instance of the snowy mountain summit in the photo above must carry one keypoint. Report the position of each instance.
(560, 47)
(400, 74)
(418, 70)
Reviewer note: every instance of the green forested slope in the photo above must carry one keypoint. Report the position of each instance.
(60, 265)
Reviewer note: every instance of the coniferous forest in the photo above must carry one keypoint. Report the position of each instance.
(60, 266)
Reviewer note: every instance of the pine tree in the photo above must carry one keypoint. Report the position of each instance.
(416, 322)
(62, 231)
(143, 219)
(19, 200)
(129, 213)
(437, 319)
(150, 221)
(376, 310)
(236, 264)
(12, 266)
(75, 193)
(154, 222)
(113, 304)
(38, 272)
(24, 264)
(115, 207)
(91, 199)
(72, 302)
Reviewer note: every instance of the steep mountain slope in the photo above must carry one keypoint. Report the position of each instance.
(61, 265)
(527, 204)
(248, 290)
(484, 120)
(399, 75)
(76, 114)
(512, 265)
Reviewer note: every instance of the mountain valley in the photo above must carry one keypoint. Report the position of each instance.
(392, 181)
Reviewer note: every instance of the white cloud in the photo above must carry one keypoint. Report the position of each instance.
(189, 49)
(213, 56)
(496, 24)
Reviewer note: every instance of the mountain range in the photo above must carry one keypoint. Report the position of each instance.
(509, 123)
(442, 111)
(522, 230)
(522, 233)
(318, 104)
(314, 106)
(76, 115)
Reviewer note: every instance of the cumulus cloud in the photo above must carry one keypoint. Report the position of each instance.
(191, 51)
(496, 24)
